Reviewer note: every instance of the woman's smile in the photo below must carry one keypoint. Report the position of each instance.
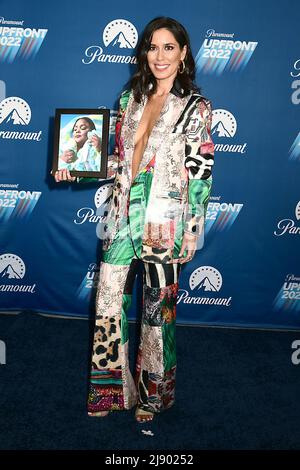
(161, 67)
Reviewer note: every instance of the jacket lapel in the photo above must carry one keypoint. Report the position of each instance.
(170, 113)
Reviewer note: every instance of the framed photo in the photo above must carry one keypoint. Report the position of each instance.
(81, 141)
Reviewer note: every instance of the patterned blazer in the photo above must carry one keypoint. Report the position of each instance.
(170, 192)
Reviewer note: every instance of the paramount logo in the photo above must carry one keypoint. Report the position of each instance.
(121, 41)
(12, 268)
(21, 135)
(9, 273)
(232, 148)
(118, 35)
(17, 288)
(224, 126)
(184, 297)
(204, 279)
(15, 118)
(14, 111)
(95, 53)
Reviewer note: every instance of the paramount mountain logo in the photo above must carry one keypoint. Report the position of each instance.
(224, 126)
(14, 111)
(223, 123)
(9, 273)
(12, 269)
(119, 36)
(15, 117)
(206, 285)
(221, 130)
(120, 33)
(121, 41)
(205, 280)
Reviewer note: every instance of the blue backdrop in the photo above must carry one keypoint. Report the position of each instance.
(70, 54)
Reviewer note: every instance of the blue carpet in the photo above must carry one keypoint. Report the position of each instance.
(236, 389)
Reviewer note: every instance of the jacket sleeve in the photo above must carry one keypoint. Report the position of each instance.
(199, 159)
(113, 159)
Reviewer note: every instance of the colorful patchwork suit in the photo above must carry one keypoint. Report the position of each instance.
(145, 226)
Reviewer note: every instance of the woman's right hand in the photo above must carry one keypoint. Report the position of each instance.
(68, 156)
(64, 175)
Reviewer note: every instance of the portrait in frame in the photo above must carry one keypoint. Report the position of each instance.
(81, 141)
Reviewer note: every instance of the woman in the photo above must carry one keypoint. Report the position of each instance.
(81, 151)
(157, 212)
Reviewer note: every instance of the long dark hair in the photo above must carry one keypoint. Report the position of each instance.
(143, 78)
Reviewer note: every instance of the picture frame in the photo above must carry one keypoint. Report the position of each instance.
(81, 137)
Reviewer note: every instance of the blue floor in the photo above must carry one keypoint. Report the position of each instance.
(236, 389)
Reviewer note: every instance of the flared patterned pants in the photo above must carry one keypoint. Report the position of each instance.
(112, 387)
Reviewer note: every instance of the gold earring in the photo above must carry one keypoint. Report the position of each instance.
(183, 67)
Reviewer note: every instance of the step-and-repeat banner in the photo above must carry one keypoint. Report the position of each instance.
(71, 54)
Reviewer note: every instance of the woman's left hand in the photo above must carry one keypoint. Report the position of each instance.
(96, 142)
(189, 243)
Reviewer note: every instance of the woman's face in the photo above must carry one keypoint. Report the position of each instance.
(80, 131)
(164, 55)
